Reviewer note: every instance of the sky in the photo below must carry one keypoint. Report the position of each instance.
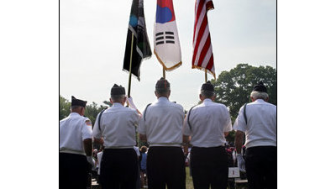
(93, 37)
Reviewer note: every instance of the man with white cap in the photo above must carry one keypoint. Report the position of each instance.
(257, 120)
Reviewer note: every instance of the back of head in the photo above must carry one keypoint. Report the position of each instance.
(162, 87)
(207, 90)
(259, 91)
(117, 93)
(77, 102)
(77, 105)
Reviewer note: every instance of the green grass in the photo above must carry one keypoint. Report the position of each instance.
(189, 182)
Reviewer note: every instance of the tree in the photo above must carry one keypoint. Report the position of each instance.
(233, 87)
(91, 110)
(107, 103)
(64, 108)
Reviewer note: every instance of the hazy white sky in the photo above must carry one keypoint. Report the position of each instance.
(93, 38)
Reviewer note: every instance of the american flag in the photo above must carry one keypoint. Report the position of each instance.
(202, 55)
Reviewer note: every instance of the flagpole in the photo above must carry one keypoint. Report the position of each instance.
(130, 69)
(206, 76)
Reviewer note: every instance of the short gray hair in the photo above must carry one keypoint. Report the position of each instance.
(76, 107)
(162, 92)
(259, 95)
(117, 98)
(207, 94)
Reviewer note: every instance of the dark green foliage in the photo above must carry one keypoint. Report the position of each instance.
(91, 111)
(64, 108)
(233, 87)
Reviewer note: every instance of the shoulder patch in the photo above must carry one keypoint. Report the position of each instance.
(88, 123)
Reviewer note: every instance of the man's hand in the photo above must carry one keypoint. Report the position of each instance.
(131, 104)
(90, 160)
(99, 141)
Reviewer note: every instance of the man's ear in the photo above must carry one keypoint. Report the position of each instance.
(83, 111)
(201, 97)
(213, 98)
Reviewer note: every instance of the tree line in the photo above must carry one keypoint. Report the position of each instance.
(91, 110)
(232, 88)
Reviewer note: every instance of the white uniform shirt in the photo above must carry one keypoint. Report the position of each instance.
(163, 124)
(261, 123)
(73, 131)
(208, 122)
(118, 127)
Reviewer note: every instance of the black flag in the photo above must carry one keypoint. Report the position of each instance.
(141, 48)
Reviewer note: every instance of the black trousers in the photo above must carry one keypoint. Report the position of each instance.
(165, 166)
(209, 167)
(261, 167)
(73, 171)
(119, 169)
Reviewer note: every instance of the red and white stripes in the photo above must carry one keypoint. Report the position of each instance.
(202, 55)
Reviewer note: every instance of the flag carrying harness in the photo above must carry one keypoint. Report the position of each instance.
(245, 117)
(245, 113)
(99, 118)
(146, 111)
(189, 117)
(144, 114)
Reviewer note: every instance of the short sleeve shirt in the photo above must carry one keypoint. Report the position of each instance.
(207, 123)
(162, 123)
(117, 127)
(260, 129)
(73, 131)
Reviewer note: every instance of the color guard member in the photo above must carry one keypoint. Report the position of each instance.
(119, 165)
(207, 124)
(75, 144)
(257, 120)
(161, 126)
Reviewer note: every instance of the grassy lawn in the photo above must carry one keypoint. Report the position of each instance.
(189, 182)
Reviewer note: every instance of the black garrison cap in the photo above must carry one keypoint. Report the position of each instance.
(77, 102)
(117, 90)
(162, 85)
(260, 87)
(208, 87)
